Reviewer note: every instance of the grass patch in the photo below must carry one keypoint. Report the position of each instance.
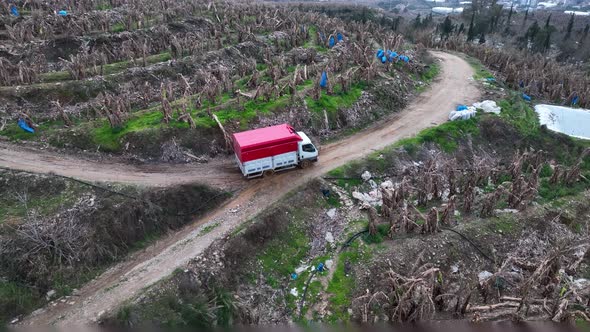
(208, 228)
(342, 284)
(108, 69)
(340, 99)
(481, 72)
(16, 300)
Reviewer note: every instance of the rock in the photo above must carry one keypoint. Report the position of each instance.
(329, 237)
(483, 276)
(387, 184)
(50, 294)
(301, 269)
(331, 213)
(329, 264)
(366, 176)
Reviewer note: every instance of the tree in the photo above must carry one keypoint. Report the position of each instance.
(461, 29)
(446, 28)
(548, 21)
(470, 32)
(418, 22)
(570, 26)
(510, 14)
(526, 16)
(482, 38)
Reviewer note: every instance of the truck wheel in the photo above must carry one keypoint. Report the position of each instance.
(268, 172)
(305, 163)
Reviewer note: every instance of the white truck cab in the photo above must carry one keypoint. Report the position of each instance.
(306, 150)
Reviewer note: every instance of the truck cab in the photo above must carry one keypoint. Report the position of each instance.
(306, 150)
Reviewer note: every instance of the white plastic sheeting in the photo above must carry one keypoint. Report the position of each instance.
(446, 10)
(570, 121)
(463, 115)
(488, 106)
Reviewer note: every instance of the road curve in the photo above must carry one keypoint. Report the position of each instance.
(127, 279)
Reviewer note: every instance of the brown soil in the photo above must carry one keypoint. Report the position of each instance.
(142, 269)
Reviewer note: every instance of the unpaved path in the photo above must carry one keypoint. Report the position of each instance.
(127, 279)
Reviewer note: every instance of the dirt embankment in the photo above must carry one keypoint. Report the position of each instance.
(127, 279)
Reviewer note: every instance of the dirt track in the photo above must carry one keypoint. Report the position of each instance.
(128, 278)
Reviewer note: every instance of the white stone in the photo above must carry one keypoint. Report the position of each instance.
(484, 275)
(387, 184)
(50, 294)
(331, 213)
(366, 176)
(329, 264)
(301, 269)
(329, 237)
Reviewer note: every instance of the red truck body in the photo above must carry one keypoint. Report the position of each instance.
(265, 142)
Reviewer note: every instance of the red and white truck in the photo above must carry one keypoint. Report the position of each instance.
(270, 149)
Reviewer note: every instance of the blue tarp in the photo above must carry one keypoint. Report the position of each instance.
(526, 97)
(575, 100)
(320, 267)
(332, 41)
(383, 59)
(62, 13)
(404, 58)
(293, 276)
(379, 53)
(324, 80)
(339, 37)
(14, 11)
(461, 108)
(24, 126)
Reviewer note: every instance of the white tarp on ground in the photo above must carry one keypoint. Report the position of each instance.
(463, 115)
(570, 121)
(446, 10)
(488, 106)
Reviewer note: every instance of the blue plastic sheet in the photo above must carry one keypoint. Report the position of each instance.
(293, 276)
(24, 126)
(575, 100)
(404, 58)
(339, 37)
(526, 97)
(383, 59)
(320, 267)
(14, 11)
(491, 79)
(332, 41)
(62, 13)
(461, 108)
(379, 53)
(324, 80)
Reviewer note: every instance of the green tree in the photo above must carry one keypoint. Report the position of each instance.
(446, 28)
(418, 21)
(570, 26)
(470, 31)
(482, 38)
(548, 21)
(461, 29)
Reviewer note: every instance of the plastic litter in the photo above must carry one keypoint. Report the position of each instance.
(332, 41)
(24, 126)
(491, 79)
(14, 11)
(461, 108)
(324, 80)
(521, 84)
(573, 122)
(293, 276)
(339, 37)
(320, 267)
(488, 106)
(526, 97)
(465, 114)
(326, 192)
(383, 59)
(575, 100)
(62, 13)
(404, 58)
(379, 53)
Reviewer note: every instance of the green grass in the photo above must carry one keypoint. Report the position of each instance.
(481, 72)
(284, 254)
(342, 285)
(209, 228)
(446, 136)
(108, 69)
(339, 100)
(16, 300)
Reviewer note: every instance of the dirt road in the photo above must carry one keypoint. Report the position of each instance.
(127, 279)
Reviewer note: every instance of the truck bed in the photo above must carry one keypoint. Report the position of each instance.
(256, 167)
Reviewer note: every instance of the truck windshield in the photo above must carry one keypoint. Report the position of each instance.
(308, 148)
